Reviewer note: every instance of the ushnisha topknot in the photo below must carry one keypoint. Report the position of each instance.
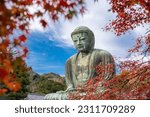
(84, 29)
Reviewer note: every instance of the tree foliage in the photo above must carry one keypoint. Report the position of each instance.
(133, 82)
(45, 86)
(131, 14)
(22, 78)
(15, 16)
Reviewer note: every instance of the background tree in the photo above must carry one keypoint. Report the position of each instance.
(22, 81)
(15, 16)
(131, 14)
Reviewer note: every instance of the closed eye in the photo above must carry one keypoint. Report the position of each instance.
(82, 38)
(74, 40)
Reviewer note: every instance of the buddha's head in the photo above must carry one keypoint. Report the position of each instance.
(83, 39)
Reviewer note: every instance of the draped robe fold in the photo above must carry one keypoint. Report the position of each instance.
(97, 57)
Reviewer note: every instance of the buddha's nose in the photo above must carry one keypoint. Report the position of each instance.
(78, 42)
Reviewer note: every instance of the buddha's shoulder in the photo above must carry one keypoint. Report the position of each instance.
(101, 52)
(72, 57)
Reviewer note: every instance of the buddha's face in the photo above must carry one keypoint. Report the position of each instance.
(81, 42)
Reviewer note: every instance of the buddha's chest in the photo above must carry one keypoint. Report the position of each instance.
(82, 69)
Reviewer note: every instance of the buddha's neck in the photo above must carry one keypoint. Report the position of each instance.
(83, 54)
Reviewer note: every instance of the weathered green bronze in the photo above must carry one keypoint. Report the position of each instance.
(81, 66)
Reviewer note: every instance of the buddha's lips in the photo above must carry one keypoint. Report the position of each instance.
(81, 46)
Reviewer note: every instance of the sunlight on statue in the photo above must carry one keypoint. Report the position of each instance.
(81, 66)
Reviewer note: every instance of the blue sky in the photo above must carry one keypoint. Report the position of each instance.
(45, 56)
(50, 48)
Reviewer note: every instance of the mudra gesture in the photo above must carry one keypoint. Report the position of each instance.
(81, 66)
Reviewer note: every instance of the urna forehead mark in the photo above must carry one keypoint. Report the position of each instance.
(79, 35)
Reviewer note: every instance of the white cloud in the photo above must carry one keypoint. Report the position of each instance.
(141, 30)
(35, 24)
(95, 18)
(139, 58)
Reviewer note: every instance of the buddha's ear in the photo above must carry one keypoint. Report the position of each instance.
(92, 40)
(92, 44)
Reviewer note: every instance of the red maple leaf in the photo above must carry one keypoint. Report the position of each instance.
(14, 86)
(22, 38)
(2, 91)
(3, 73)
(43, 22)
